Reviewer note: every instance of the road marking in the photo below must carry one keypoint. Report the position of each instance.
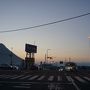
(80, 79)
(42, 77)
(7, 76)
(4, 76)
(30, 82)
(33, 77)
(17, 77)
(59, 78)
(25, 84)
(71, 80)
(21, 86)
(87, 78)
(26, 77)
(51, 78)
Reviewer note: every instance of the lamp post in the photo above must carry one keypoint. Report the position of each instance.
(46, 55)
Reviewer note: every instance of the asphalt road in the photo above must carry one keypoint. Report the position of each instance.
(44, 80)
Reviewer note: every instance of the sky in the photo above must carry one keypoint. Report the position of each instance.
(65, 40)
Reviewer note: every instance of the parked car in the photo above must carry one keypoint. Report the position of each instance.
(8, 67)
(15, 67)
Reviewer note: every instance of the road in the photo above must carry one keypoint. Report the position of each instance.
(44, 80)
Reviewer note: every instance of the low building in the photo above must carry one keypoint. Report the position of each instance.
(8, 58)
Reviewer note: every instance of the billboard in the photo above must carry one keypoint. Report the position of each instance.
(30, 48)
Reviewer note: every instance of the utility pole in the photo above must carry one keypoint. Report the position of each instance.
(69, 59)
(47, 55)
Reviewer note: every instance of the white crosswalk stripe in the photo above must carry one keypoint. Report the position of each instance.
(34, 77)
(80, 79)
(59, 78)
(6, 76)
(42, 77)
(26, 77)
(20, 86)
(23, 85)
(51, 78)
(87, 78)
(16, 77)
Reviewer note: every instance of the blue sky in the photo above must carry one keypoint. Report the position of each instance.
(66, 39)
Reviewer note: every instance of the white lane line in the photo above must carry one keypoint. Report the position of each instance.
(17, 77)
(42, 77)
(71, 80)
(80, 79)
(26, 77)
(32, 78)
(21, 86)
(59, 78)
(87, 78)
(51, 78)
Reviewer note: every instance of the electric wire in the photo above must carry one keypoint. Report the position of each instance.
(46, 24)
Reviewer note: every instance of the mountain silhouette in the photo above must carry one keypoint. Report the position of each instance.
(6, 54)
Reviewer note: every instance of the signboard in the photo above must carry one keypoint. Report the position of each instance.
(30, 48)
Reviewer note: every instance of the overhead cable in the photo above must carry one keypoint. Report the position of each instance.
(46, 24)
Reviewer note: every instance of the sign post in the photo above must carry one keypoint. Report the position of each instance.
(30, 55)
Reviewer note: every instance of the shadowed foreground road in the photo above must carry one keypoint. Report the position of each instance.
(44, 80)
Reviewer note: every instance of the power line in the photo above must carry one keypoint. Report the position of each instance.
(46, 24)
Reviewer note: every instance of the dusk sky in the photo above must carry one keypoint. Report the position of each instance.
(65, 39)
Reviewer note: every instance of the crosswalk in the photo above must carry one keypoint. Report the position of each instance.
(87, 78)
(25, 77)
(51, 78)
(34, 77)
(57, 82)
(37, 77)
(80, 79)
(42, 77)
(59, 78)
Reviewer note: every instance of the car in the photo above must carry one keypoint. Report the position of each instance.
(61, 68)
(70, 66)
(15, 67)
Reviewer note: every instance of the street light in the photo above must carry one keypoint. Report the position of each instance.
(47, 52)
(46, 55)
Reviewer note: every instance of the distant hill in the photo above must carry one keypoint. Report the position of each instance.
(5, 56)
